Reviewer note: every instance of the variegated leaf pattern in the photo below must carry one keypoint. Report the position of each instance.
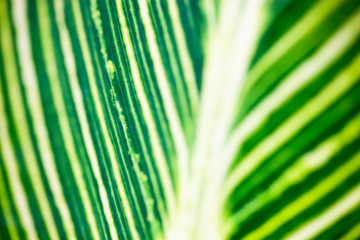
(180, 119)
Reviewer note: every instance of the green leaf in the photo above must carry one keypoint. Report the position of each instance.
(179, 119)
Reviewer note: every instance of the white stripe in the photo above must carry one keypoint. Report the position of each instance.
(58, 98)
(224, 75)
(12, 169)
(36, 110)
(154, 138)
(313, 195)
(298, 171)
(174, 122)
(288, 128)
(347, 203)
(181, 94)
(100, 112)
(183, 51)
(21, 125)
(304, 74)
(70, 64)
(304, 26)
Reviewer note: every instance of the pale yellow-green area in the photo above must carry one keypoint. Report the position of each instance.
(299, 170)
(70, 64)
(307, 199)
(329, 217)
(58, 98)
(336, 88)
(22, 127)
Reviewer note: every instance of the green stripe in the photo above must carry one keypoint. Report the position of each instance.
(342, 82)
(9, 223)
(179, 119)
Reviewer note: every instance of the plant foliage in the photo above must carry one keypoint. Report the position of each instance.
(179, 119)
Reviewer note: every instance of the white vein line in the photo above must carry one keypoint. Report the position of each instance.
(55, 88)
(331, 51)
(70, 64)
(12, 169)
(37, 114)
(100, 112)
(347, 203)
(304, 26)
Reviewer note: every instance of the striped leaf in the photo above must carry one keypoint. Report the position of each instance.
(179, 119)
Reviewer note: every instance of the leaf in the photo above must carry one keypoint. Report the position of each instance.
(179, 119)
